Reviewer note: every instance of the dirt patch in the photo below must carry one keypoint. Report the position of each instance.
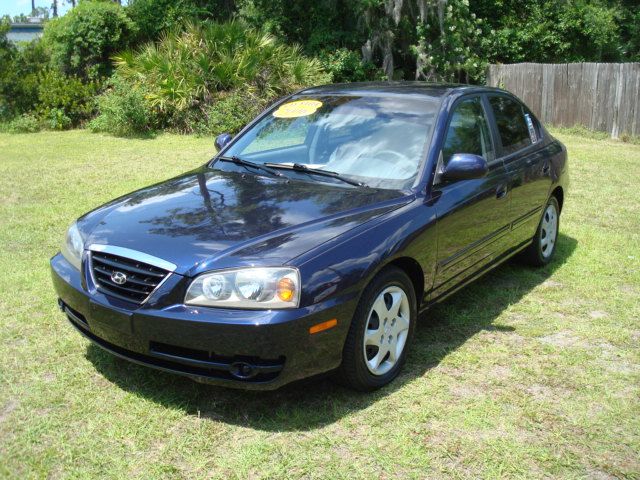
(466, 390)
(451, 438)
(608, 350)
(7, 409)
(626, 288)
(621, 366)
(11, 199)
(547, 393)
(598, 314)
(514, 339)
(501, 372)
(551, 284)
(561, 339)
(450, 371)
(593, 474)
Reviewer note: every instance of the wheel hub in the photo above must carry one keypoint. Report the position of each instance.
(386, 330)
(548, 230)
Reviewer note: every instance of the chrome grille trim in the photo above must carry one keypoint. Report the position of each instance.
(134, 255)
(143, 276)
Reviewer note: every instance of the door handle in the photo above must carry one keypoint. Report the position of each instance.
(546, 169)
(501, 191)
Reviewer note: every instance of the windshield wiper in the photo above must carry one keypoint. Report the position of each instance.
(298, 167)
(247, 163)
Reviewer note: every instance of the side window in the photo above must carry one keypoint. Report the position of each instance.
(533, 125)
(468, 131)
(511, 123)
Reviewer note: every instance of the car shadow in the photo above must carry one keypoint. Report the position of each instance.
(316, 402)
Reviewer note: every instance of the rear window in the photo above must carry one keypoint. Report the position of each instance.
(511, 123)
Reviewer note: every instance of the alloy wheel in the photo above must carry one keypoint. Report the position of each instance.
(386, 331)
(549, 230)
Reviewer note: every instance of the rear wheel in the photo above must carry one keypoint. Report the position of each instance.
(381, 330)
(543, 247)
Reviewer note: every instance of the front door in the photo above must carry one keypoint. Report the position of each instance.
(473, 215)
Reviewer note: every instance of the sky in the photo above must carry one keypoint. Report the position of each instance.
(16, 7)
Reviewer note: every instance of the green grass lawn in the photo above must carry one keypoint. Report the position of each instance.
(526, 373)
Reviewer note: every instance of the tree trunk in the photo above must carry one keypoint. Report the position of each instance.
(73, 3)
(54, 7)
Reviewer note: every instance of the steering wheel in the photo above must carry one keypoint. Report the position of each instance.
(389, 160)
(387, 155)
(378, 164)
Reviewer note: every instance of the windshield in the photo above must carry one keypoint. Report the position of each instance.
(379, 141)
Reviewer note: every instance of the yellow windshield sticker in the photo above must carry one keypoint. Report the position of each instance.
(297, 108)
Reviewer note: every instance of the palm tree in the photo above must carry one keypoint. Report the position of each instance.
(190, 69)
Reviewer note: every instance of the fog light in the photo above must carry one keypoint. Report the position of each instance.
(242, 370)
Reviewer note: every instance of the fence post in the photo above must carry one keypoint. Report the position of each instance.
(615, 127)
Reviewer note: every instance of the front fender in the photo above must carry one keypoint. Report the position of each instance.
(351, 261)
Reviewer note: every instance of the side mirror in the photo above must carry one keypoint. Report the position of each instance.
(222, 140)
(465, 166)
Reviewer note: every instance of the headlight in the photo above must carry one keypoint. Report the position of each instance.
(73, 246)
(256, 288)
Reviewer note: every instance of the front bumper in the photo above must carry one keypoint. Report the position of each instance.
(250, 349)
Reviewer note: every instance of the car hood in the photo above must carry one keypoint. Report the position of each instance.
(209, 219)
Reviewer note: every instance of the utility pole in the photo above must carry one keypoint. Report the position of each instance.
(54, 7)
(33, 7)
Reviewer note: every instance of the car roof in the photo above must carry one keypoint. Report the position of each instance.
(396, 88)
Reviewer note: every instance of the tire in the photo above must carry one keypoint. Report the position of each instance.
(543, 247)
(388, 335)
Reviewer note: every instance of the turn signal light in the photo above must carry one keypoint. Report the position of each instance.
(321, 327)
(286, 289)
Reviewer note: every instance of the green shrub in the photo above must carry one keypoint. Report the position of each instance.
(124, 111)
(184, 73)
(7, 53)
(228, 112)
(19, 70)
(57, 119)
(315, 24)
(153, 17)
(347, 66)
(231, 112)
(69, 95)
(24, 124)
(83, 41)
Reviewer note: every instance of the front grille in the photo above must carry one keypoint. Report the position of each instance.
(141, 278)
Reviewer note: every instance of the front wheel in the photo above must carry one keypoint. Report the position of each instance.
(380, 333)
(543, 246)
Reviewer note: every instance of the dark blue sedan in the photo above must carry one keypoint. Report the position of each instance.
(316, 236)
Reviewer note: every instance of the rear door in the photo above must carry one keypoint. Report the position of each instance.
(473, 215)
(520, 148)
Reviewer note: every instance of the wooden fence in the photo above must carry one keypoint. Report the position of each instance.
(600, 96)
